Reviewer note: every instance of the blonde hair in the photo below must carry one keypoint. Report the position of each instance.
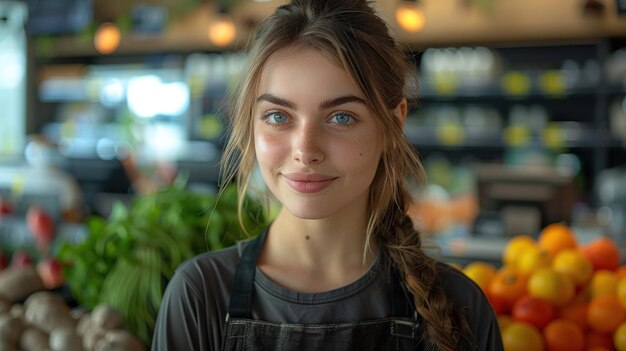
(350, 33)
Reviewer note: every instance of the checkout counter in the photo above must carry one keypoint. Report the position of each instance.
(514, 202)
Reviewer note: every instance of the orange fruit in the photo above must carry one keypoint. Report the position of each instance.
(564, 335)
(556, 237)
(574, 264)
(603, 253)
(621, 291)
(515, 247)
(603, 282)
(532, 259)
(619, 337)
(575, 312)
(598, 340)
(519, 336)
(605, 314)
(507, 285)
(480, 272)
(533, 310)
(553, 286)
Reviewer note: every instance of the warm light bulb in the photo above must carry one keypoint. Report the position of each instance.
(222, 32)
(410, 17)
(107, 38)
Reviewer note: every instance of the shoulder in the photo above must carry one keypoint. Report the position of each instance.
(196, 297)
(215, 262)
(459, 287)
(206, 271)
(468, 296)
(464, 292)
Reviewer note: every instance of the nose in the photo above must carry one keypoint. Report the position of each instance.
(307, 145)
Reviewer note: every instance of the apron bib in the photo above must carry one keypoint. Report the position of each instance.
(400, 332)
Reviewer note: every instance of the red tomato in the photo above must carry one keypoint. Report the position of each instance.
(41, 226)
(533, 310)
(51, 273)
(507, 285)
(5, 207)
(499, 306)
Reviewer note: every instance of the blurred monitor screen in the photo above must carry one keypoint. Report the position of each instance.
(49, 17)
(516, 200)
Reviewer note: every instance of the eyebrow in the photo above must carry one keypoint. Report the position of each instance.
(276, 100)
(340, 100)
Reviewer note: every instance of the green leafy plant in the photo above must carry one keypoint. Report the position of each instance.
(127, 259)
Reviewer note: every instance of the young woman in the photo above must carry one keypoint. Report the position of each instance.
(320, 111)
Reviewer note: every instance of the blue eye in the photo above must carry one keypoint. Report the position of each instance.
(342, 119)
(276, 118)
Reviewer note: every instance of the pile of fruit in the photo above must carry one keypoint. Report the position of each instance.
(554, 293)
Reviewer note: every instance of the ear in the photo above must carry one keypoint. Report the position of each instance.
(400, 111)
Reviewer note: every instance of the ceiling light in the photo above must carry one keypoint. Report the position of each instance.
(410, 16)
(107, 38)
(222, 30)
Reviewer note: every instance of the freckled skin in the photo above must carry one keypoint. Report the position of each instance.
(309, 142)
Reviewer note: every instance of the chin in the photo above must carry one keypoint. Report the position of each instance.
(308, 212)
(308, 215)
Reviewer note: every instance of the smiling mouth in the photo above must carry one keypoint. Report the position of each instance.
(308, 183)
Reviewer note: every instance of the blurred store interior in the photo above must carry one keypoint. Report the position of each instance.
(521, 121)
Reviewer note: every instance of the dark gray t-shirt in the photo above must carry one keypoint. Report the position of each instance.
(193, 312)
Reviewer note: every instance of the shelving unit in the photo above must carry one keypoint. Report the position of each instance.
(484, 114)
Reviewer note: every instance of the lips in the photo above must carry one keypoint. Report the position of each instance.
(308, 183)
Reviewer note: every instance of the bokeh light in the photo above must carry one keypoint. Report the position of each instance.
(107, 38)
(222, 32)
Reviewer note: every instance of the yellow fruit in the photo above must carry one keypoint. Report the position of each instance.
(515, 247)
(480, 272)
(520, 336)
(621, 291)
(553, 286)
(532, 259)
(619, 337)
(574, 264)
(603, 282)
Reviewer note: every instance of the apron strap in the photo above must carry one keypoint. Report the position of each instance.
(402, 304)
(243, 285)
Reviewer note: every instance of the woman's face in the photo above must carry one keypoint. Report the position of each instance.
(316, 141)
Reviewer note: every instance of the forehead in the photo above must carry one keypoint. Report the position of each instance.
(295, 66)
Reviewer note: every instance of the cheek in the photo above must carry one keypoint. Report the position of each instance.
(368, 150)
(268, 147)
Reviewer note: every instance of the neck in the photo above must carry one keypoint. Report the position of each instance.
(316, 255)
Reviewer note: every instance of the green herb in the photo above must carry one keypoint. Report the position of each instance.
(127, 259)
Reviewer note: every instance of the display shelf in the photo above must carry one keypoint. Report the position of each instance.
(573, 138)
(493, 92)
(494, 101)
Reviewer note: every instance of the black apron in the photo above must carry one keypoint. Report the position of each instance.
(241, 332)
